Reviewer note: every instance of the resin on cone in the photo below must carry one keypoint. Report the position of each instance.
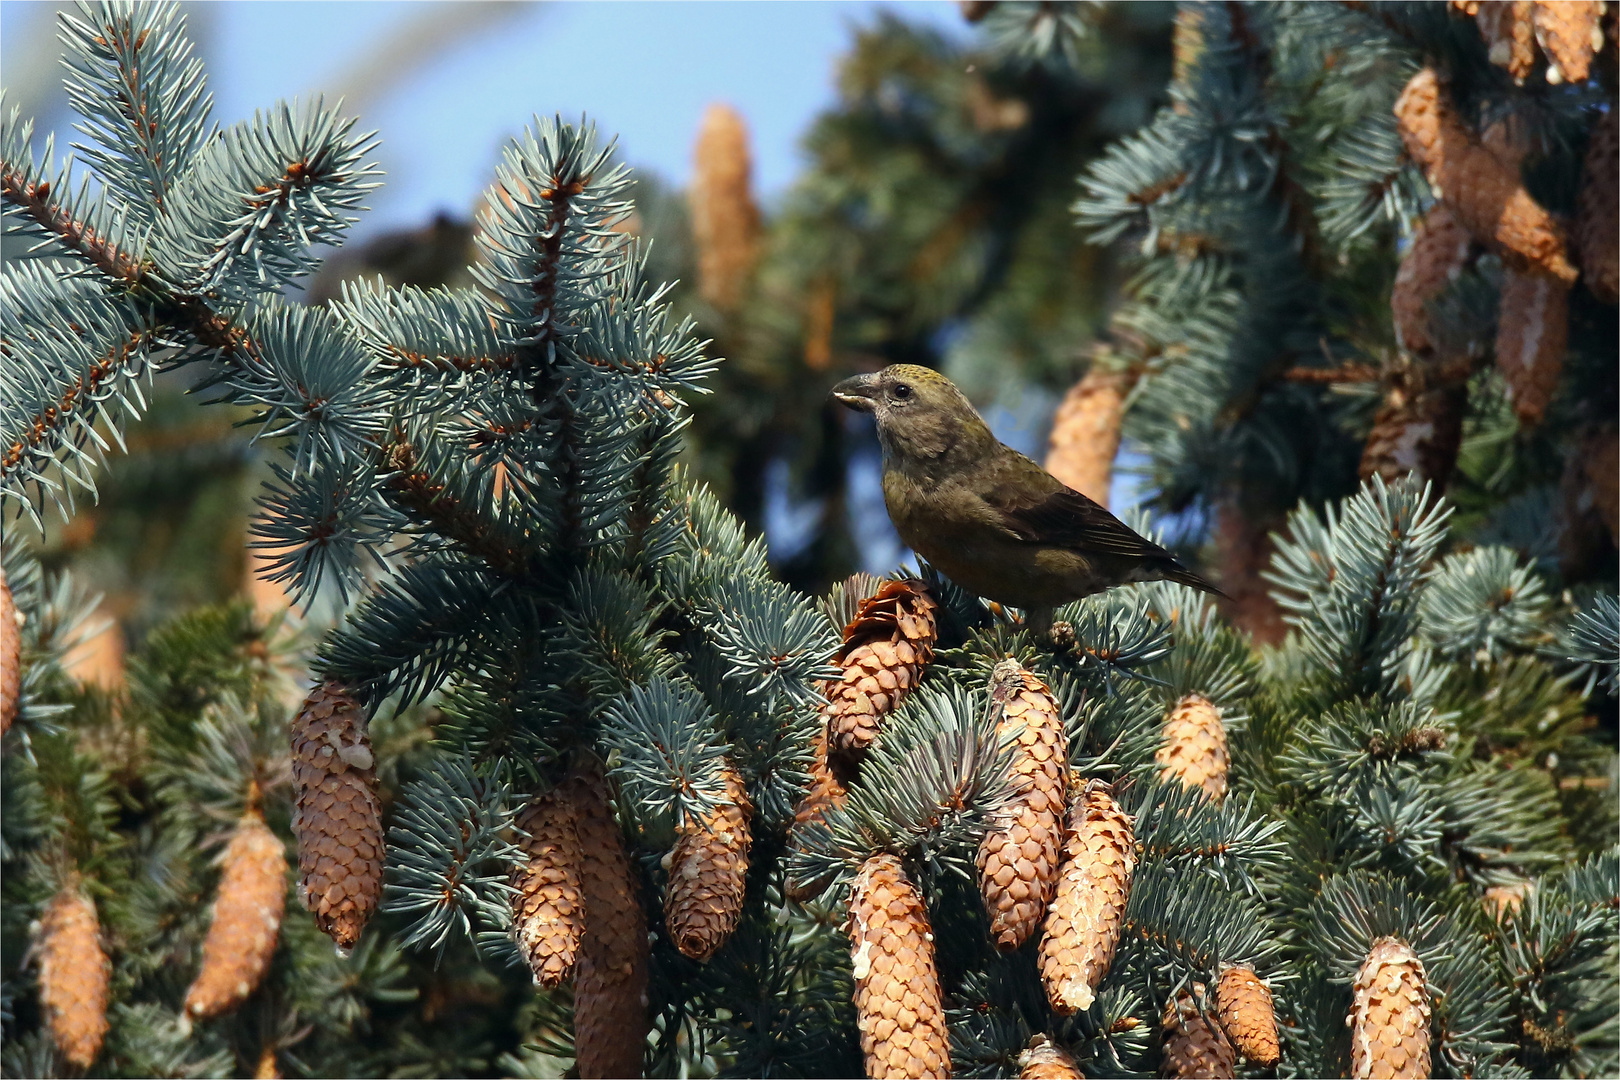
(10, 658)
(1087, 914)
(1532, 336)
(708, 874)
(1018, 856)
(74, 975)
(336, 816)
(1046, 1060)
(1247, 1013)
(1438, 253)
(1194, 1045)
(1085, 430)
(1597, 221)
(898, 1005)
(1192, 746)
(1570, 32)
(610, 979)
(725, 221)
(548, 909)
(1389, 1015)
(246, 921)
(886, 646)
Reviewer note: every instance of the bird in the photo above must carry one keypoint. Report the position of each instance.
(989, 518)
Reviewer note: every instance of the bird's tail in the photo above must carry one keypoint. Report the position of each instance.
(1170, 570)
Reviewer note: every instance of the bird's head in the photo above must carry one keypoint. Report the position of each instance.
(920, 413)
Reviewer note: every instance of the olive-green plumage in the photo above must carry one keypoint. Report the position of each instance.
(991, 519)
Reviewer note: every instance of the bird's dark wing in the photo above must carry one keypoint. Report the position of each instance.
(1066, 518)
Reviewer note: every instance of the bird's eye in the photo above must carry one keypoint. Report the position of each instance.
(902, 391)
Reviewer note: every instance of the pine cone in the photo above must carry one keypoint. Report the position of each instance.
(1193, 1045)
(1085, 918)
(1485, 195)
(336, 816)
(267, 1068)
(1503, 900)
(1417, 428)
(1508, 32)
(548, 910)
(886, 646)
(1193, 746)
(1597, 222)
(1018, 861)
(74, 974)
(1600, 459)
(10, 658)
(1389, 1014)
(1438, 253)
(1085, 430)
(1046, 1060)
(725, 221)
(1532, 335)
(825, 790)
(708, 873)
(610, 981)
(1570, 33)
(897, 996)
(1248, 1016)
(246, 921)
(1186, 47)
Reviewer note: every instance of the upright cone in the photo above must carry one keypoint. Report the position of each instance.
(336, 816)
(1046, 1060)
(1389, 1015)
(1532, 336)
(1192, 748)
(725, 221)
(898, 1006)
(1248, 1015)
(610, 979)
(10, 658)
(1597, 223)
(1086, 916)
(246, 921)
(74, 974)
(548, 909)
(1018, 859)
(708, 874)
(1194, 1046)
(886, 646)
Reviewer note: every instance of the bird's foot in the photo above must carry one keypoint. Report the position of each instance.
(1062, 636)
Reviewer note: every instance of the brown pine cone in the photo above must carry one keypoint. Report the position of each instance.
(886, 646)
(1570, 33)
(1193, 746)
(1389, 1014)
(1597, 221)
(246, 922)
(10, 658)
(1508, 32)
(897, 996)
(1504, 900)
(1018, 860)
(1248, 1015)
(548, 910)
(1193, 1045)
(1438, 253)
(336, 816)
(1532, 335)
(1486, 196)
(825, 788)
(1085, 918)
(708, 873)
(725, 220)
(610, 979)
(1085, 430)
(74, 974)
(1046, 1060)
(1417, 428)
(267, 1068)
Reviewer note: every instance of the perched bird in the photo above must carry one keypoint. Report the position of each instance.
(991, 519)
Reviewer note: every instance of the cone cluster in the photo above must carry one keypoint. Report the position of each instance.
(1247, 1014)
(1438, 253)
(886, 646)
(74, 974)
(1389, 1014)
(1087, 913)
(708, 874)
(336, 816)
(1018, 859)
(1194, 1045)
(548, 909)
(1085, 430)
(1192, 747)
(246, 920)
(1532, 335)
(10, 658)
(898, 1005)
(725, 221)
(1597, 221)
(1046, 1060)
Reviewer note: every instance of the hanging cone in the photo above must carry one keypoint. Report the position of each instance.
(1532, 335)
(708, 873)
(1485, 195)
(897, 997)
(725, 220)
(1509, 35)
(1193, 746)
(1248, 1015)
(1018, 861)
(10, 658)
(610, 981)
(336, 816)
(1046, 1060)
(1193, 1045)
(74, 974)
(1417, 428)
(548, 910)
(886, 646)
(1389, 1015)
(246, 921)
(1570, 33)
(1085, 431)
(1084, 920)
(825, 788)
(1439, 252)
(1597, 221)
